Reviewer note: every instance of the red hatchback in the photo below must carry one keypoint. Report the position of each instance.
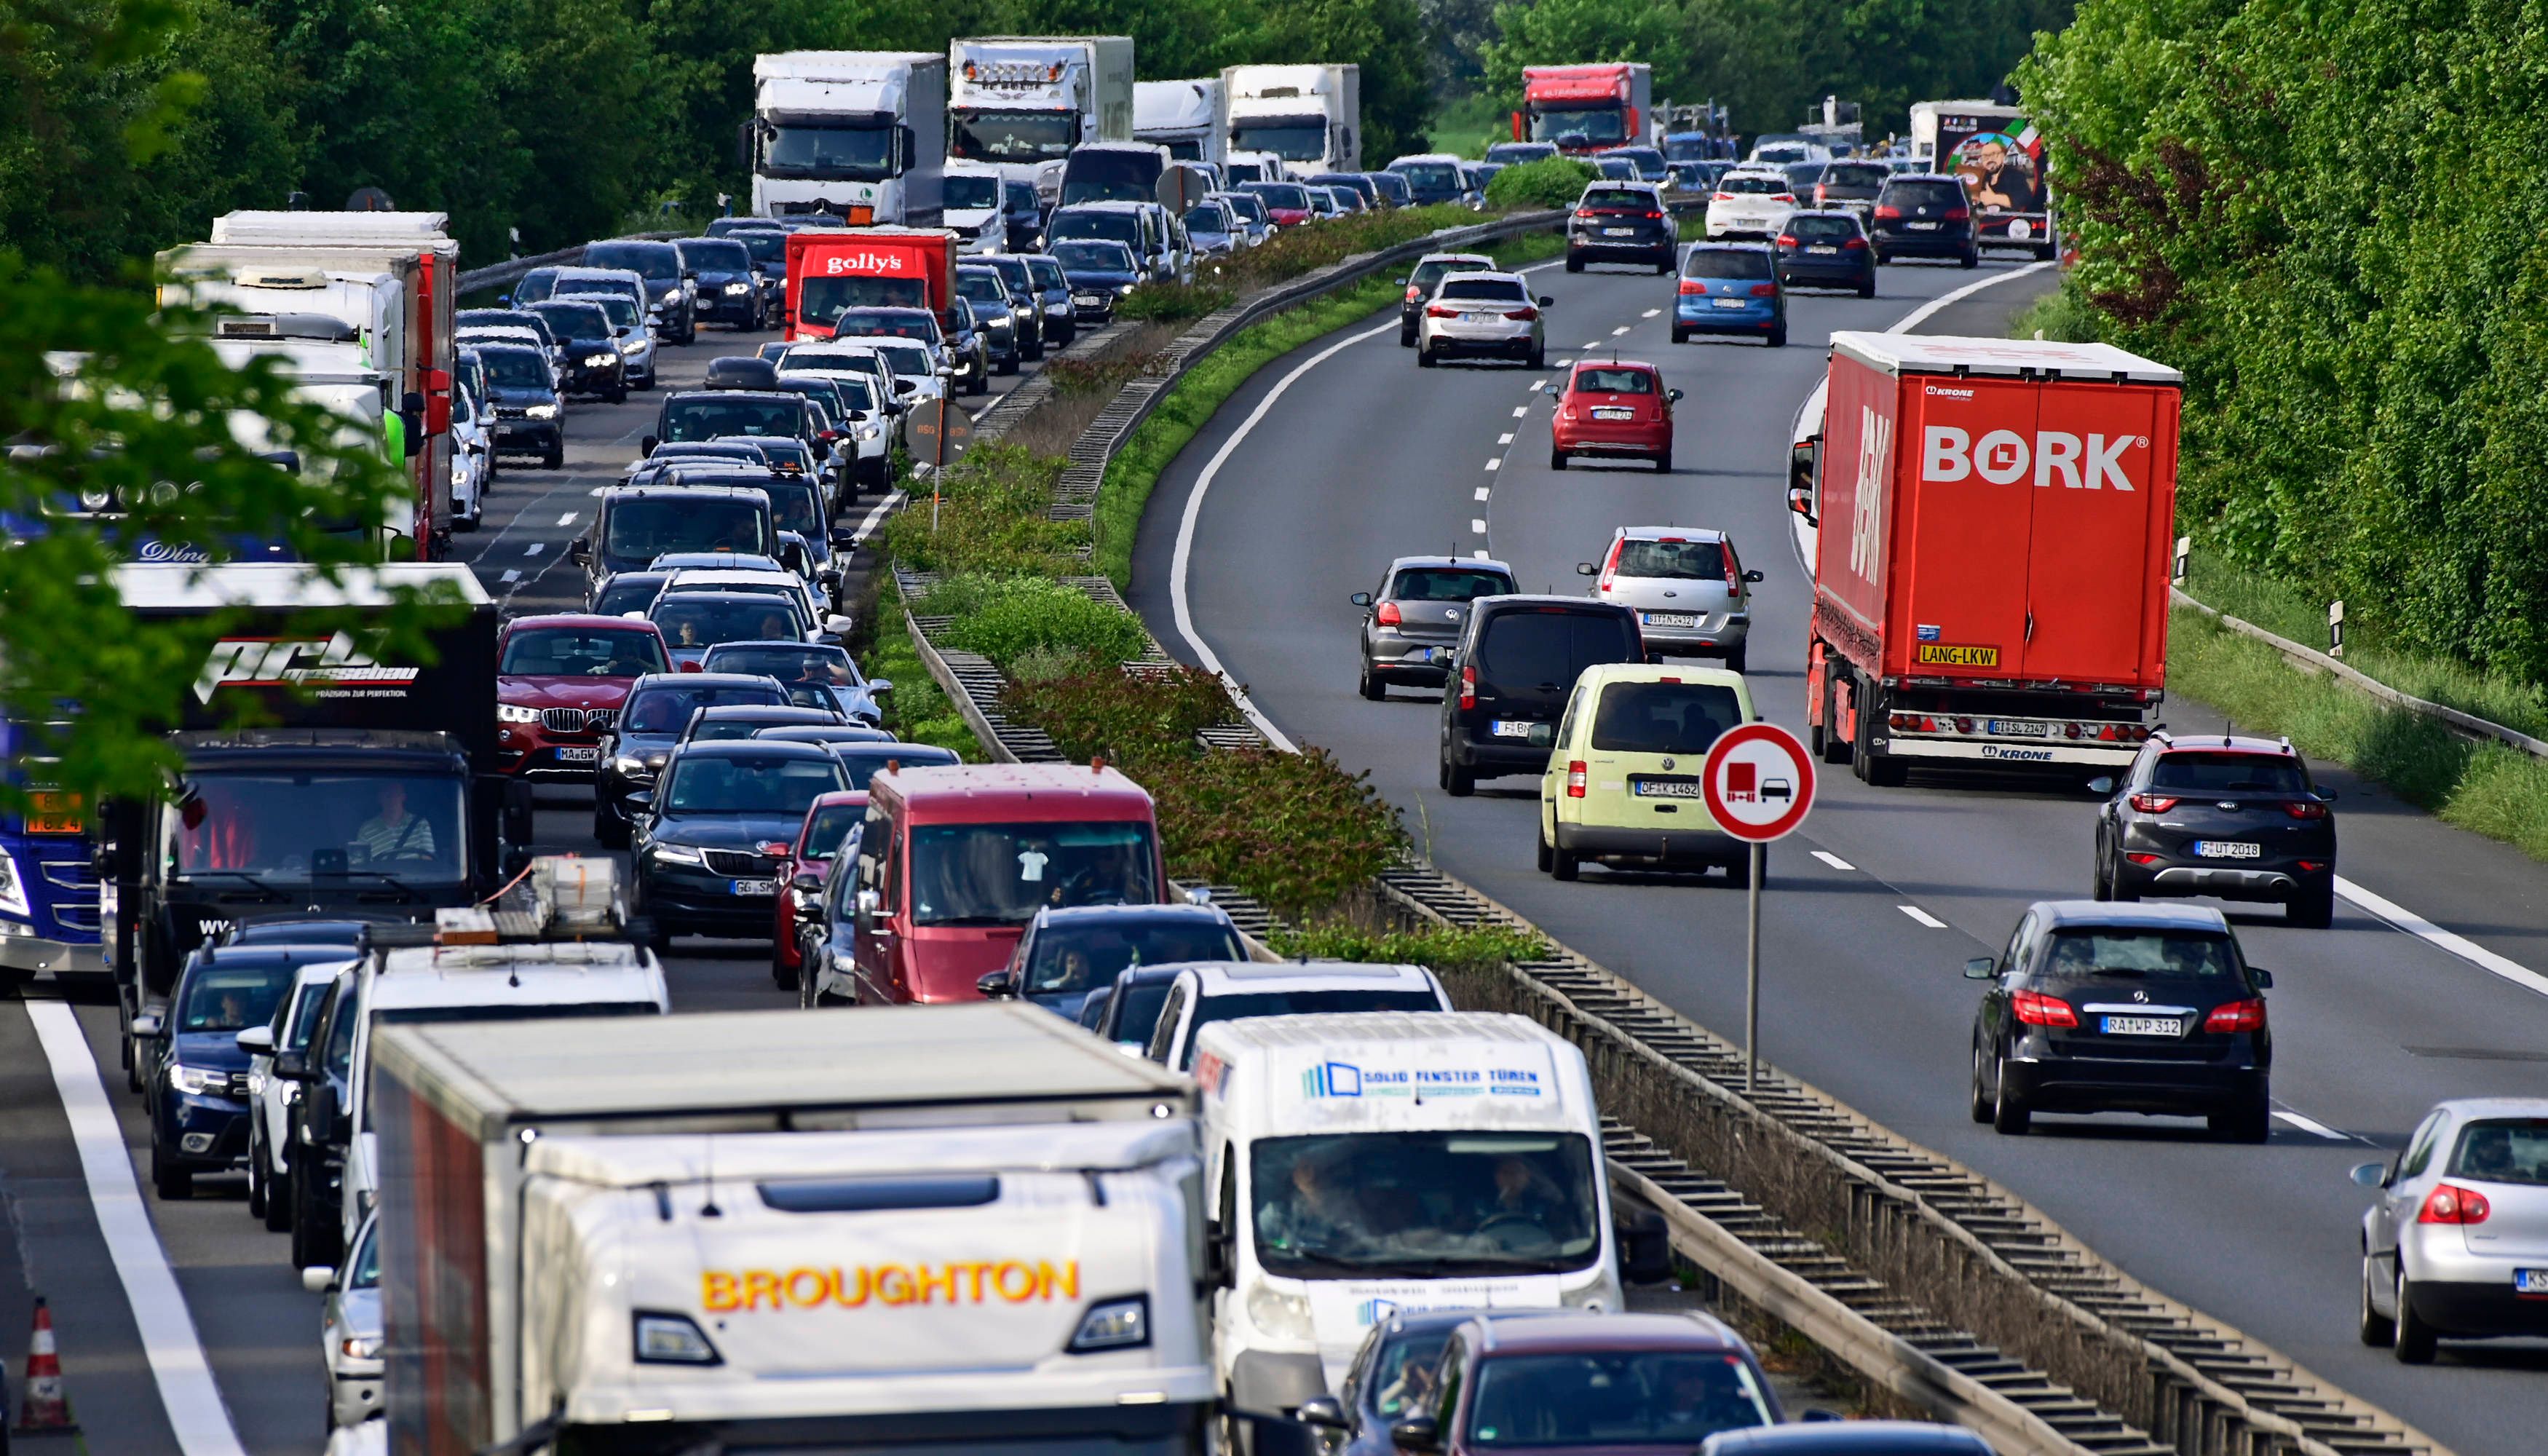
(559, 682)
(829, 823)
(1615, 406)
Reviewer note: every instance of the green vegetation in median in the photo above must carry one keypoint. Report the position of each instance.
(1006, 617)
(1442, 948)
(1550, 182)
(989, 514)
(917, 711)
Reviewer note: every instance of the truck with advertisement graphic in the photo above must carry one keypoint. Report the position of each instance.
(972, 1226)
(1365, 1162)
(1999, 154)
(856, 134)
(1586, 107)
(1309, 117)
(1994, 520)
(830, 273)
(1021, 102)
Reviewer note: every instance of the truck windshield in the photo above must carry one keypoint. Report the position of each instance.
(1076, 957)
(1002, 873)
(1580, 123)
(1112, 176)
(1423, 1204)
(1613, 1397)
(1010, 137)
(848, 153)
(410, 829)
(1292, 138)
(641, 531)
(971, 190)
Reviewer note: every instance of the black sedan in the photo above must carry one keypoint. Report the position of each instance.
(1067, 953)
(2232, 817)
(714, 836)
(651, 720)
(731, 289)
(593, 365)
(2121, 1008)
(1826, 250)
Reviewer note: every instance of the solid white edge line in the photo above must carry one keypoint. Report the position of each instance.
(178, 1365)
(1919, 315)
(2458, 944)
(1832, 860)
(1921, 916)
(2313, 1126)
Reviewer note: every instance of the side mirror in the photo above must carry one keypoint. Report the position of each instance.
(1673, 395)
(999, 985)
(318, 1278)
(504, 300)
(146, 1027)
(1361, 598)
(292, 1066)
(1415, 1433)
(837, 626)
(1401, 283)
(255, 1040)
(880, 685)
(843, 536)
(1323, 1411)
(1587, 569)
(646, 444)
(867, 904)
(2101, 785)
(579, 549)
(2371, 1176)
(1546, 302)
(1756, 575)
(2326, 795)
(2263, 978)
(1199, 895)
(1801, 500)
(644, 798)
(1980, 969)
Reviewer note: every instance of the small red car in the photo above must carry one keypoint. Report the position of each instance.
(829, 822)
(560, 680)
(1614, 406)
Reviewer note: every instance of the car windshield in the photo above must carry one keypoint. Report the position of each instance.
(517, 368)
(1246, 205)
(1614, 382)
(340, 1028)
(793, 507)
(1047, 271)
(1674, 561)
(626, 593)
(971, 190)
(1751, 265)
(1079, 957)
(1613, 1398)
(1405, 1371)
(1431, 270)
(828, 153)
(1499, 290)
(232, 998)
(367, 1260)
(2504, 1151)
(1432, 176)
(2170, 954)
(1331, 1000)
(1207, 217)
(620, 310)
(811, 662)
(863, 762)
(2199, 772)
(1002, 873)
(1923, 195)
(1421, 1205)
(304, 1019)
(643, 529)
(1802, 176)
(575, 320)
(829, 826)
(1447, 583)
(1093, 255)
(713, 256)
(766, 245)
(735, 784)
(1821, 229)
(668, 708)
(1123, 228)
(1752, 184)
(316, 826)
(694, 620)
(1013, 272)
(829, 363)
(1664, 717)
(903, 323)
(1137, 1012)
(981, 288)
(581, 651)
(1854, 179)
(829, 302)
(1603, 123)
(733, 414)
(1284, 195)
(656, 262)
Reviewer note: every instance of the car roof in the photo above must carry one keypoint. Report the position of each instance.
(1496, 274)
(1403, 562)
(728, 575)
(1667, 533)
(1513, 600)
(680, 492)
(763, 712)
(704, 679)
(1426, 156)
(1618, 1331)
(2228, 742)
(1672, 671)
(272, 955)
(1924, 177)
(1247, 977)
(588, 620)
(2120, 915)
(1850, 1438)
(845, 735)
(1069, 915)
(1452, 258)
(1581, 364)
(2461, 1108)
(729, 748)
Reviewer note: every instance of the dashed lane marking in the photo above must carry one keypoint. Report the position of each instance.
(1921, 916)
(567, 519)
(1497, 464)
(2313, 1126)
(1482, 492)
(511, 576)
(535, 548)
(1832, 860)
(1615, 332)
(1503, 439)
(1649, 313)
(1478, 526)
(1522, 412)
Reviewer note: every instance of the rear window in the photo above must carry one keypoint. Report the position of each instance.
(1802, 175)
(2504, 1151)
(2195, 772)
(1539, 647)
(1627, 198)
(1614, 382)
(2130, 952)
(1447, 583)
(1664, 717)
(1430, 271)
(1923, 195)
(1860, 178)
(1504, 290)
(1282, 195)
(1752, 184)
(1674, 561)
(1432, 176)
(668, 709)
(1727, 263)
(1822, 229)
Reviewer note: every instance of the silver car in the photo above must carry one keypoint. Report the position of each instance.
(1690, 590)
(349, 1327)
(271, 1098)
(1482, 313)
(2456, 1245)
(1412, 623)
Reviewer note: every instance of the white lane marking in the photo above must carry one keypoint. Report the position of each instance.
(1916, 316)
(1498, 464)
(1921, 916)
(1503, 439)
(1622, 328)
(876, 516)
(1478, 555)
(1479, 526)
(1522, 412)
(1536, 385)
(535, 548)
(511, 575)
(1649, 313)
(1832, 860)
(597, 490)
(1594, 344)
(1482, 492)
(169, 1339)
(2313, 1126)
(567, 519)
(1562, 364)
(2458, 944)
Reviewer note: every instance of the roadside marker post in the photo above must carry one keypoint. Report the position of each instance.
(1758, 784)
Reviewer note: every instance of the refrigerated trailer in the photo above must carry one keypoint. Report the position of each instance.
(1994, 519)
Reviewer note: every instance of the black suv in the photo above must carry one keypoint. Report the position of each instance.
(2232, 817)
(2121, 1008)
(1826, 250)
(523, 390)
(593, 365)
(1923, 216)
(730, 288)
(632, 525)
(1419, 282)
(1621, 223)
(1514, 665)
(654, 715)
(669, 288)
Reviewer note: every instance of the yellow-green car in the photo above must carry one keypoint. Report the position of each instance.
(1622, 787)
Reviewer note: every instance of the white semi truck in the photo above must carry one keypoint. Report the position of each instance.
(1019, 102)
(1310, 116)
(858, 135)
(1191, 118)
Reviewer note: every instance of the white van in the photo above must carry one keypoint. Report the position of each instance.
(1362, 1164)
(1208, 991)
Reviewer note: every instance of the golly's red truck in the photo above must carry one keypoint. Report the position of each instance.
(828, 273)
(1993, 552)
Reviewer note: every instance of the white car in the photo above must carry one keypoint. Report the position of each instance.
(349, 1327)
(472, 463)
(271, 1098)
(972, 207)
(780, 582)
(636, 335)
(1482, 313)
(907, 362)
(1207, 992)
(1749, 201)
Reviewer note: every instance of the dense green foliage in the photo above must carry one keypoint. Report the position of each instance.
(2319, 213)
(1004, 617)
(1551, 182)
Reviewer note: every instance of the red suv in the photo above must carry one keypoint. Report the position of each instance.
(829, 827)
(1615, 406)
(1561, 1383)
(559, 682)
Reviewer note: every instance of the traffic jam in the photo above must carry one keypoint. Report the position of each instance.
(1077, 1164)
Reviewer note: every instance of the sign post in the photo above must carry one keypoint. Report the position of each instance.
(1759, 783)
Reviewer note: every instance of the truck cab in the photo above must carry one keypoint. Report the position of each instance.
(856, 134)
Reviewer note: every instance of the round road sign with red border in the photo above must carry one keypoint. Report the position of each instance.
(1758, 782)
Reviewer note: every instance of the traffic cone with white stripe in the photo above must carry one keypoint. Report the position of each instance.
(45, 1408)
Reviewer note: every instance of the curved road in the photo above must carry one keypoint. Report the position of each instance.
(1874, 906)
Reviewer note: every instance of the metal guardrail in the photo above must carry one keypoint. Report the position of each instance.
(497, 275)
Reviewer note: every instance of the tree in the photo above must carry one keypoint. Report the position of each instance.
(1579, 31)
(1383, 36)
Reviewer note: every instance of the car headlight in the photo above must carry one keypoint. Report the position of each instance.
(679, 854)
(13, 890)
(541, 412)
(627, 765)
(1280, 1312)
(1124, 288)
(672, 295)
(198, 1080)
(360, 1347)
(628, 347)
(514, 712)
(599, 361)
(736, 289)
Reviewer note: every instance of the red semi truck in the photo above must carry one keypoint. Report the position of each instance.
(1992, 559)
(1586, 108)
(828, 273)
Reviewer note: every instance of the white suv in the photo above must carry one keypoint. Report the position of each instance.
(1749, 201)
(1482, 313)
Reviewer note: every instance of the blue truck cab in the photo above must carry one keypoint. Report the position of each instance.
(48, 881)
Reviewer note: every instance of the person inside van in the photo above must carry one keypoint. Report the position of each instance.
(1320, 1217)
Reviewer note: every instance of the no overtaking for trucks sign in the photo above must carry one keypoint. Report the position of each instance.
(1759, 783)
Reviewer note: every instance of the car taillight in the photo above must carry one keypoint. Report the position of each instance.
(1789, 197)
(1653, 214)
(1436, 310)
(1388, 615)
(2306, 809)
(2152, 803)
(1765, 290)
(1524, 315)
(2451, 1204)
(1855, 243)
(1819, 194)
(1720, 197)
(1786, 240)
(1584, 211)
(2141, 859)
(2236, 1016)
(1468, 688)
(2036, 1009)
(1885, 212)
(1691, 286)
(1575, 779)
(1958, 215)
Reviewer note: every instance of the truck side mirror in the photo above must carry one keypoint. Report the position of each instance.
(318, 1278)
(1801, 500)
(146, 1027)
(411, 419)
(909, 142)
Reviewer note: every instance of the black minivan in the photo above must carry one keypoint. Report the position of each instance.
(1923, 216)
(1516, 662)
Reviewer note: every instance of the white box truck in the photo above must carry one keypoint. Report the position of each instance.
(1019, 102)
(1310, 116)
(1366, 1162)
(859, 135)
(1191, 118)
(969, 1225)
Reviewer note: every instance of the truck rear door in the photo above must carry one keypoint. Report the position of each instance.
(2094, 557)
(1965, 452)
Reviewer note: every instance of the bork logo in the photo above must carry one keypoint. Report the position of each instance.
(1874, 463)
(2004, 457)
(867, 262)
(277, 661)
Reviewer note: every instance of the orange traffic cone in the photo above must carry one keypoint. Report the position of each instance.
(45, 1408)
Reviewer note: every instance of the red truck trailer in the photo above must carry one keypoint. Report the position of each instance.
(865, 268)
(1991, 574)
(1586, 108)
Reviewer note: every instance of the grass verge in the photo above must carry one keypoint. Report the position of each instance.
(917, 711)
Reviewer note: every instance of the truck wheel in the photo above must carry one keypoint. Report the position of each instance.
(1834, 749)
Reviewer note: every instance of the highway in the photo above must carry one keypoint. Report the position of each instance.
(1873, 908)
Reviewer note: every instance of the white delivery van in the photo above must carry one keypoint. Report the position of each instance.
(1370, 1163)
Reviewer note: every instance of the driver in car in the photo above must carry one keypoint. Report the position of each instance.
(394, 833)
(1319, 1215)
(1523, 1196)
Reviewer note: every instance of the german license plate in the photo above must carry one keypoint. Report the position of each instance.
(1509, 728)
(2016, 728)
(1476, 318)
(1671, 618)
(1618, 232)
(1921, 226)
(2530, 1280)
(1602, 413)
(755, 887)
(572, 754)
(1822, 249)
(1667, 789)
(1420, 655)
(2226, 849)
(2143, 1026)
(1733, 303)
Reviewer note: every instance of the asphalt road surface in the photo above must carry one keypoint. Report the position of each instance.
(1873, 908)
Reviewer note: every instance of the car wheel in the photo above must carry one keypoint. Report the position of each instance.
(1679, 335)
(1778, 335)
(1664, 264)
(1406, 338)
(2009, 1116)
(1555, 458)
(1457, 782)
(1372, 688)
(2314, 908)
(1971, 259)
(556, 458)
(1979, 1100)
(1866, 289)
(1539, 356)
(2248, 1121)
(610, 829)
(781, 974)
(619, 396)
(1735, 660)
(1574, 264)
(981, 385)
(1423, 356)
(2101, 878)
(255, 1175)
(1880, 258)
(278, 1197)
(2377, 1330)
(2414, 1340)
(2119, 886)
(1009, 364)
(1663, 461)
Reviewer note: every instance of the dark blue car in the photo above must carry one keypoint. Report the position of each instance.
(198, 1091)
(1101, 270)
(1066, 954)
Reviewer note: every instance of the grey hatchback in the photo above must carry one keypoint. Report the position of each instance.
(1688, 590)
(1410, 624)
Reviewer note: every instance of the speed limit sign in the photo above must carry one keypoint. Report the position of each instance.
(1759, 782)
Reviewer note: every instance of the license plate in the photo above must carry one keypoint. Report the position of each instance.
(1601, 413)
(1421, 655)
(570, 754)
(1733, 303)
(755, 887)
(1506, 728)
(2530, 1280)
(1618, 232)
(2141, 1026)
(1922, 226)
(1476, 318)
(2226, 849)
(1818, 249)
(2013, 728)
(1087, 300)
(1667, 789)
(1671, 618)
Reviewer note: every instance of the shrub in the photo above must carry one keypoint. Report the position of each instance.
(1550, 182)
(1294, 830)
(1172, 303)
(991, 517)
(1006, 617)
(1440, 948)
(1101, 710)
